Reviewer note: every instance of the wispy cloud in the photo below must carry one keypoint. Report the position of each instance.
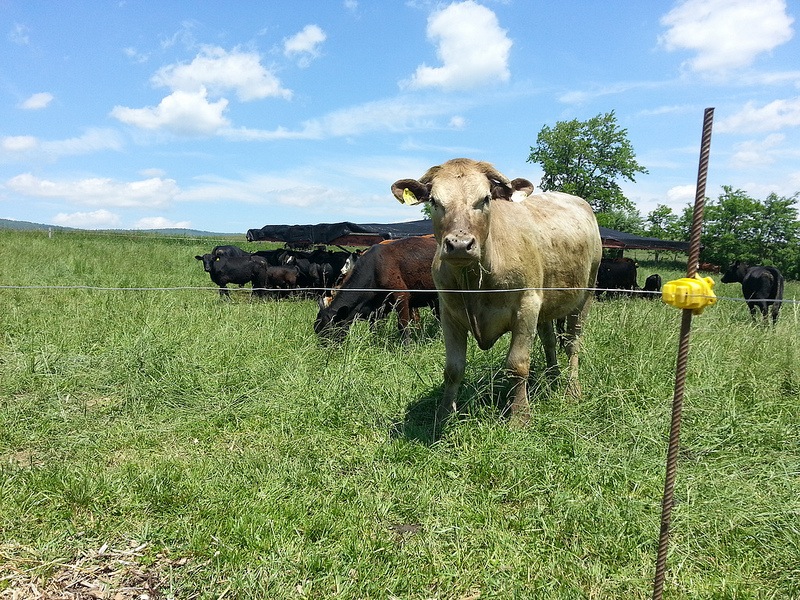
(472, 47)
(773, 116)
(611, 89)
(757, 153)
(97, 219)
(19, 34)
(94, 140)
(405, 113)
(97, 191)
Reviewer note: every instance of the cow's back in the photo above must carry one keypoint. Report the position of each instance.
(548, 241)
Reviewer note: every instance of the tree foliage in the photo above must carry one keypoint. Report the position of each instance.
(739, 227)
(586, 158)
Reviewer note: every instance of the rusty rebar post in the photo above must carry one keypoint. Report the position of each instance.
(682, 361)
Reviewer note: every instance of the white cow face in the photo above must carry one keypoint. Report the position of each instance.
(461, 194)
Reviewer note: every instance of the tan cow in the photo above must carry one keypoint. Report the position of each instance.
(493, 234)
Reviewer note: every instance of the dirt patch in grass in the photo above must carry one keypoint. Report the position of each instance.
(104, 573)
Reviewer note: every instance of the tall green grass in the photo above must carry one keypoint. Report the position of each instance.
(261, 464)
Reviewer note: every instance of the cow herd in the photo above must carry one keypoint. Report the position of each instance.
(502, 259)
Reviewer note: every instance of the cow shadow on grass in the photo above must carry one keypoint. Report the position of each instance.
(480, 398)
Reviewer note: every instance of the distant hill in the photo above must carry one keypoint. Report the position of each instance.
(28, 226)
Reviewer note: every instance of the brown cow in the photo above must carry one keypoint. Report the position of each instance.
(544, 250)
(394, 276)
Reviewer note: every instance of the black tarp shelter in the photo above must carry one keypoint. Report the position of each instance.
(346, 233)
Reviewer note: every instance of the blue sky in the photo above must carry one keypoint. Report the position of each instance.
(230, 116)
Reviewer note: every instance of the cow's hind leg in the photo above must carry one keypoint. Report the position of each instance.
(572, 347)
(548, 337)
(774, 310)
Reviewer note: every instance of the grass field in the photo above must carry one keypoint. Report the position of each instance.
(163, 442)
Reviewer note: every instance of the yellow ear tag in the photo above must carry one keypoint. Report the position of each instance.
(409, 197)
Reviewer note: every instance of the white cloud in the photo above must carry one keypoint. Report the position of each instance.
(18, 143)
(726, 34)
(756, 153)
(19, 34)
(182, 113)
(681, 194)
(37, 101)
(161, 223)
(778, 114)
(305, 44)
(471, 45)
(94, 140)
(97, 219)
(458, 122)
(219, 71)
(98, 191)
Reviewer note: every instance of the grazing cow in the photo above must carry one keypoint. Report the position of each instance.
(762, 287)
(616, 274)
(652, 284)
(539, 253)
(239, 269)
(708, 267)
(381, 280)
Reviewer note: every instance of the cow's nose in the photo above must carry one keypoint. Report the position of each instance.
(459, 244)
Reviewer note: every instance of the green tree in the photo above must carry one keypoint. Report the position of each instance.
(586, 158)
(739, 227)
(622, 220)
(662, 223)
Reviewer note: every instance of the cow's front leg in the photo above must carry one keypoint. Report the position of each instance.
(518, 365)
(455, 345)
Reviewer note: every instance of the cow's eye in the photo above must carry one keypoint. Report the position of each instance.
(483, 203)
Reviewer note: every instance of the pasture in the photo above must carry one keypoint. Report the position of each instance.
(168, 443)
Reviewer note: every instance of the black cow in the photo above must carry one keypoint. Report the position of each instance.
(381, 280)
(762, 287)
(239, 269)
(228, 251)
(281, 278)
(318, 269)
(652, 284)
(616, 274)
(273, 257)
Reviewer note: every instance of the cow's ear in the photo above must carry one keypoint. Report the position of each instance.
(516, 190)
(500, 190)
(410, 191)
(198, 257)
(522, 188)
